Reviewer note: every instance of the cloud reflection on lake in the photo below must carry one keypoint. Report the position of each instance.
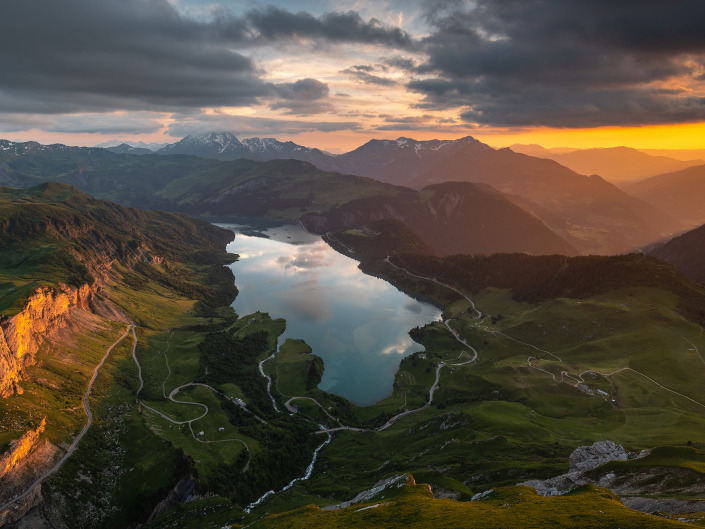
(357, 323)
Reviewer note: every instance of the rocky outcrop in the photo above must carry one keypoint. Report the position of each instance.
(379, 487)
(583, 459)
(25, 461)
(586, 458)
(21, 336)
(183, 491)
(20, 449)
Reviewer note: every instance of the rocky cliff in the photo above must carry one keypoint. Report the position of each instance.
(583, 459)
(20, 449)
(25, 461)
(21, 336)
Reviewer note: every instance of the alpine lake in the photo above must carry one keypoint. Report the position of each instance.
(358, 324)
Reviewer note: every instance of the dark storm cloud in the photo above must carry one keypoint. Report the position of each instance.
(274, 24)
(77, 55)
(303, 97)
(368, 74)
(564, 62)
(402, 63)
(88, 55)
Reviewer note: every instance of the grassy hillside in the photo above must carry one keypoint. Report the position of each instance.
(52, 233)
(685, 252)
(549, 332)
(679, 193)
(545, 345)
(416, 507)
(159, 270)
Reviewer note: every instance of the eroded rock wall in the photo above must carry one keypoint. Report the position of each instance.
(21, 335)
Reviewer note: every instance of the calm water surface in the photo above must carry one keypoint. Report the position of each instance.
(357, 323)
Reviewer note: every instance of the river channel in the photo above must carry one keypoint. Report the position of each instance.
(357, 323)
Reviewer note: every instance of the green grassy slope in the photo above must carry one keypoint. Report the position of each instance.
(628, 326)
(160, 270)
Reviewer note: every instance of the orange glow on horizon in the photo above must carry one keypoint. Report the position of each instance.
(678, 136)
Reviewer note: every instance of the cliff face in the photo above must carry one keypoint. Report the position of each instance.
(46, 312)
(20, 449)
(26, 460)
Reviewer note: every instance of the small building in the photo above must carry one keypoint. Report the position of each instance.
(200, 434)
(602, 393)
(221, 429)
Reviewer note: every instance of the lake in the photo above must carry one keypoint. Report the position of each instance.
(357, 323)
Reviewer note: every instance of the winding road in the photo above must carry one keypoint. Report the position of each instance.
(472, 303)
(78, 438)
(190, 403)
(563, 374)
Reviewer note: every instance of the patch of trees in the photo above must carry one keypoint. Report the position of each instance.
(378, 239)
(234, 360)
(537, 278)
(314, 372)
(287, 445)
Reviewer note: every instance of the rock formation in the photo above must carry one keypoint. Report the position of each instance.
(21, 335)
(583, 459)
(20, 449)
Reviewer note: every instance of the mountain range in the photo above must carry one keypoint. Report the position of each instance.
(587, 213)
(614, 164)
(591, 214)
(542, 364)
(679, 193)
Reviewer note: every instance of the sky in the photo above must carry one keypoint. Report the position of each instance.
(334, 74)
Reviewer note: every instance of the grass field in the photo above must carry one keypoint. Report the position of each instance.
(515, 414)
(507, 507)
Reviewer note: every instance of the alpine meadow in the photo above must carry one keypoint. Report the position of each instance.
(350, 264)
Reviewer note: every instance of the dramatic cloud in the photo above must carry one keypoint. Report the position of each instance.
(568, 63)
(106, 124)
(78, 55)
(92, 56)
(129, 66)
(275, 24)
(304, 97)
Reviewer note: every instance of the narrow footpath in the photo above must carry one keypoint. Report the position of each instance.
(78, 438)
(190, 403)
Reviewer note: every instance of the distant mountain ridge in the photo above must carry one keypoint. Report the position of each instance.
(226, 146)
(685, 252)
(679, 193)
(592, 215)
(615, 164)
(125, 148)
(457, 218)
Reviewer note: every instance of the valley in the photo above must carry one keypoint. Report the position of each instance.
(306, 264)
(206, 408)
